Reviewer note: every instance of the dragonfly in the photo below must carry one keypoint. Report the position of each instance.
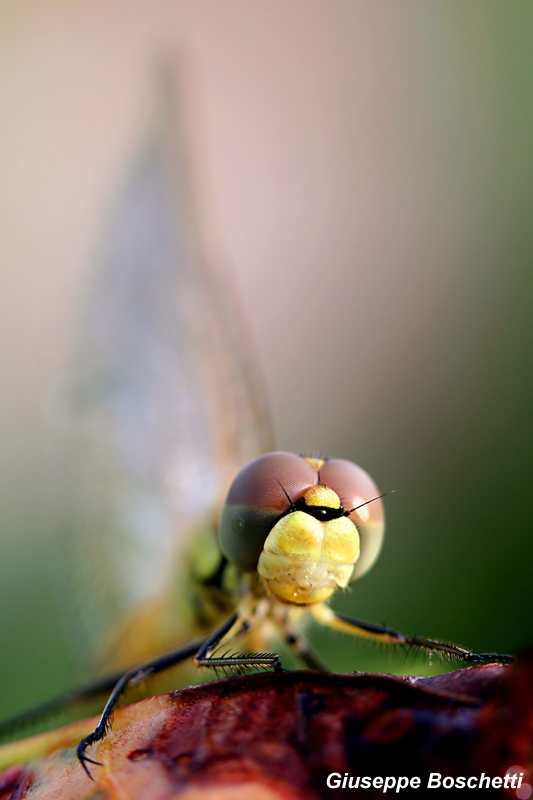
(160, 419)
(293, 531)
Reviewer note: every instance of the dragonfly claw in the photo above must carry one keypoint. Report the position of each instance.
(84, 759)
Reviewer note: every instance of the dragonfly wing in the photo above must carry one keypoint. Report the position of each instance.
(162, 406)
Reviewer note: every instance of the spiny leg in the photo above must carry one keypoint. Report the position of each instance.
(59, 704)
(98, 690)
(234, 626)
(340, 622)
(134, 675)
(203, 656)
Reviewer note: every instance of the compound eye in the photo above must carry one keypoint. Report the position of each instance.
(258, 496)
(354, 487)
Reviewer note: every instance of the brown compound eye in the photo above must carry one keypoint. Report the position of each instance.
(354, 487)
(257, 498)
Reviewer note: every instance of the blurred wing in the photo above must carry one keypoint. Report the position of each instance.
(162, 407)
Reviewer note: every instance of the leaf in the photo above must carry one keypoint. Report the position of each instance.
(278, 737)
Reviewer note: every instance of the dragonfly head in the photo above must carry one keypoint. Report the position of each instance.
(304, 525)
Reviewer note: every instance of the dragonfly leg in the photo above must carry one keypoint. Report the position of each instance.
(301, 647)
(59, 704)
(203, 656)
(355, 627)
(130, 677)
(304, 651)
(207, 655)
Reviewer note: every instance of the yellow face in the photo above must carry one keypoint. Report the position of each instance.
(304, 559)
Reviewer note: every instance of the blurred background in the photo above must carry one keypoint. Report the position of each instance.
(362, 180)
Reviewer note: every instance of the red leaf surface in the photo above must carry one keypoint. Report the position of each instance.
(278, 737)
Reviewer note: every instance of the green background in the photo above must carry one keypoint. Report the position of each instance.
(451, 431)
